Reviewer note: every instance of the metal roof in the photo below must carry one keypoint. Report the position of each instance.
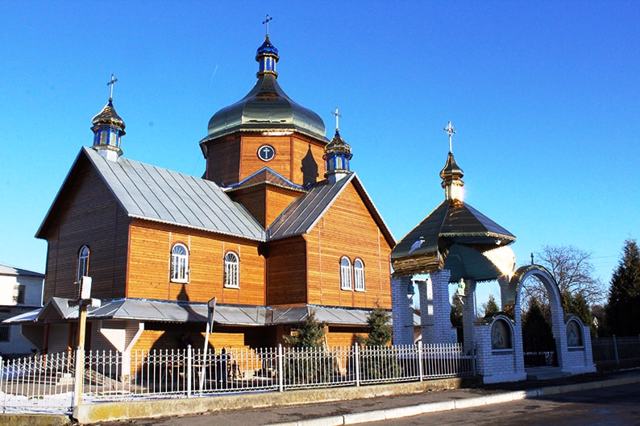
(425, 247)
(161, 195)
(13, 271)
(265, 175)
(266, 107)
(301, 215)
(182, 312)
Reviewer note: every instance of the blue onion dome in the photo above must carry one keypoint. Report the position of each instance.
(108, 117)
(338, 146)
(267, 48)
(266, 107)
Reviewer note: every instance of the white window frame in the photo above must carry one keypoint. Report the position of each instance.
(346, 273)
(231, 270)
(358, 274)
(84, 255)
(179, 268)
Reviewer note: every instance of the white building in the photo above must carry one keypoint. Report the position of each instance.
(20, 291)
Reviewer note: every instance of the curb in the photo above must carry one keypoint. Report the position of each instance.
(457, 404)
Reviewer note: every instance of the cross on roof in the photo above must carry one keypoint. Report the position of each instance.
(450, 131)
(337, 115)
(266, 21)
(111, 83)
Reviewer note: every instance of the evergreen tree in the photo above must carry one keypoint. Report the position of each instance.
(309, 335)
(456, 311)
(379, 328)
(622, 312)
(536, 331)
(491, 307)
(577, 305)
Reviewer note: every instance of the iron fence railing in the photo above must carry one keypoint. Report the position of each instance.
(46, 382)
(615, 352)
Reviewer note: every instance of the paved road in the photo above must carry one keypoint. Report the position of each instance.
(609, 406)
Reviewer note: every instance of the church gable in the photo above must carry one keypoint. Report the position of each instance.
(85, 213)
(348, 229)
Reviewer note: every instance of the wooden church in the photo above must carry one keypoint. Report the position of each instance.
(278, 227)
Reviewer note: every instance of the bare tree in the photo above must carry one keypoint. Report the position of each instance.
(573, 271)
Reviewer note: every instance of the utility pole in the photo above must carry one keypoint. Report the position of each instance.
(84, 300)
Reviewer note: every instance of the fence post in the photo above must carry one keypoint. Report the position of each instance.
(420, 361)
(615, 350)
(189, 377)
(474, 358)
(356, 354)
(79, 377)
(280, 369)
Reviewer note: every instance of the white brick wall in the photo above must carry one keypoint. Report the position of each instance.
(401, 311)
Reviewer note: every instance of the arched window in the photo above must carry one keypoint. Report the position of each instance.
(83, 263)
(345, 273)
(179, 263)
(574, 334)
(358, 274)
(231, 263)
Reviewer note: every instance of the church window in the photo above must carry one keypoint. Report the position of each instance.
(358, 273)
(231, 275)
(179, 263)
(345, 273)
(83, 263)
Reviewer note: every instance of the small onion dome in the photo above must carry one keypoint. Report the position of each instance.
(108, 117)
(267, 49)
(451, 171)
(337, 146)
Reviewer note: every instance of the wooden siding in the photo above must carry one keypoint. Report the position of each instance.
(254, 200)
(86, 213)
(250, 163)
(347, 229)
(276, 200)
(149, 262)
(232, 158)
(345, 336)
(307, 163)
(286, 272)
(223, 160)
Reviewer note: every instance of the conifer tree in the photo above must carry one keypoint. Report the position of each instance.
(379, 328)
(536, 331)
(623, 309)
(491, 307)
(310, 334)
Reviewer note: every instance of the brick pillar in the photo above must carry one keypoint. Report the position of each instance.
(507, 293)
(401, 311)
(442, 330)
(469, 315)
(425, 290)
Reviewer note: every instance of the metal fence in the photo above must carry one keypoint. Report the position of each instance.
(616, 352)
(46, 382)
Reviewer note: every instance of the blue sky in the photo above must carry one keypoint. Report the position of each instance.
(545, 97)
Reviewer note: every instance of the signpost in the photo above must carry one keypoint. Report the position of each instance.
(211, 313)
(84, 300)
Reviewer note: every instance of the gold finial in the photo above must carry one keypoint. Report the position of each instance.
(337, 114)
(266, 21)
(111, 83)
(450, 131)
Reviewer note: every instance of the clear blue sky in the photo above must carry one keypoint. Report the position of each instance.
(545, 97)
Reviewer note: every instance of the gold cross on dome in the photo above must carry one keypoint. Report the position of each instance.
(111, 83)
(450, 131)
(266, 21)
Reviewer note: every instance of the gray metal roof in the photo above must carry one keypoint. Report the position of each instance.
(60, 309)
(161, 195)
(300, 216)
(10, 270)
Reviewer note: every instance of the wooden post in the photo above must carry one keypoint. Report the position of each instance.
(83, 302)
